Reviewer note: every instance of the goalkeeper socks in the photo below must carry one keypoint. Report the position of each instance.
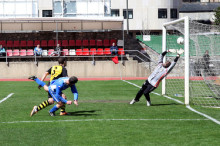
(63, 108)
(43, 105)
(39, 82)
(55, 108)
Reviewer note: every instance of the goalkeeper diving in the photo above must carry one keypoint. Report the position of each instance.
(160, 72)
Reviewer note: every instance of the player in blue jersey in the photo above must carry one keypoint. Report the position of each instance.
(153, 81)
(55, 90)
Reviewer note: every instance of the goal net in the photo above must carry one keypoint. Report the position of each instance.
(197, 73)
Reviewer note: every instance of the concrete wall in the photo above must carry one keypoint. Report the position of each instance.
(81, 69)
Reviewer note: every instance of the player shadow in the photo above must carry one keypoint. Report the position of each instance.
(84, 113)
(165, 104)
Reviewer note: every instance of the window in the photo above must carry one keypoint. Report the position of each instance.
(162, 13)
(115, 13)
(47, 13)
(130, 14)
(173, 13)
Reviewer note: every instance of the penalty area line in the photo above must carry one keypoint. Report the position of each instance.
(6, 97)
(87, 120)
(187, 106)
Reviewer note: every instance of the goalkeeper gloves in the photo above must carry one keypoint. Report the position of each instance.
(172, 50)
(180, 51)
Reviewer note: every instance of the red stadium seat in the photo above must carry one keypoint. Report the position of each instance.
(30, 52)
(99, 51)
(15, 52)
(121, 51)
(78, 43)
(51, 43)
(30, 43)
(3, 43)
(23, 44)
(99, 43)
(72, 43)
(92, 51)
(92, 43)
(44, 43)
(16, 43)
(36, 42)
(23, 52)
(85, 52)
(50, 51)
(9, 44)
(79, 52)
(9, 52)
(59, 42)
(107, 51)
(65, 52)
(113, 41)
(85, 43)
(65, 43)
(106, 43)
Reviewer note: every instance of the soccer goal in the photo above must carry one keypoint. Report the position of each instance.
(196, 76)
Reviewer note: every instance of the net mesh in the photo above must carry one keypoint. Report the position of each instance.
(204, 64)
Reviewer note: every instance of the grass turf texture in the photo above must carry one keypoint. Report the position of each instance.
(96, 121)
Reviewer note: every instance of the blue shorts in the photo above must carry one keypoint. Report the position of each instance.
(53, 95)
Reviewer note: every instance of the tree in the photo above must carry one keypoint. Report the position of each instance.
(217, 16)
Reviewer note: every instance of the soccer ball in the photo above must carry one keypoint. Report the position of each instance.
(180, 40)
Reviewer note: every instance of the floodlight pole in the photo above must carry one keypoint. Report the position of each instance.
(127, 17)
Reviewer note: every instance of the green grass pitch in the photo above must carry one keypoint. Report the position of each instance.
(103, 118)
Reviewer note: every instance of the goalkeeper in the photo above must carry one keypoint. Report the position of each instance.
(153, 81)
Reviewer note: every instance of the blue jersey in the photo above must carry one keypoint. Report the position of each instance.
(57, 86)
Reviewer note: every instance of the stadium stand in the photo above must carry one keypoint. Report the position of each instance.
(65, 52)
(121, 51)
(23, 52)
(106, 43)
(9, 44)
(15, 52)
(72, 43)
(92, 43)
(3, 43)
(30, 52)
(99, 43)
(23, 43)
(92, 51)
(72, 52)
(78, 43)
(36, 42)
(9, 52)
(107, 51)
(100, 51)
(50, 51)
(65, 43)
(16, 44)
(85, 43)
(43, 43)
(51, 43)
(30, 43)
(79, 52)
(59, 42)
(85, 52)
(44, 53)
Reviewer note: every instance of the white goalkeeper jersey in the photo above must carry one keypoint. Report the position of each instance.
(160, 72)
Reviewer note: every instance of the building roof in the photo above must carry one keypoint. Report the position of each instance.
(16, 25)
(198, 7)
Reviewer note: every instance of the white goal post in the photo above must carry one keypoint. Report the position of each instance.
(196, 76)
(186, 49)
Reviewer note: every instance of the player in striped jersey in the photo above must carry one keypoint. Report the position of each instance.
(153, 81)
(56, 72)
(55, 90)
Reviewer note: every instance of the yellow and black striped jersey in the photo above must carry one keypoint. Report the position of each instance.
(57, 71)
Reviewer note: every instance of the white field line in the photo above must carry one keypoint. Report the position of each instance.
(190, 108)
(6, 97)
(86, 120)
